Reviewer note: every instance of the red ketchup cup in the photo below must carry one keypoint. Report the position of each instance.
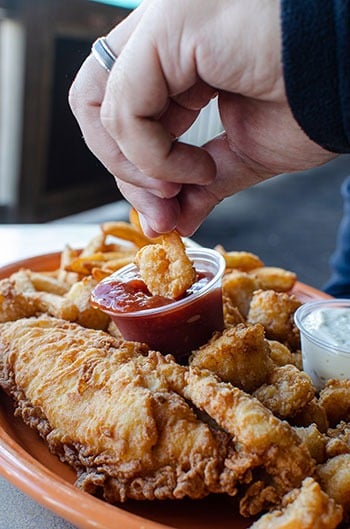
(178, 326)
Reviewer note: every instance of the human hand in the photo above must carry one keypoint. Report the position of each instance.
(173, 57)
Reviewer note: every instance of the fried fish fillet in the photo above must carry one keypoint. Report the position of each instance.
(276, 458)
(135, 424)
(106, 409)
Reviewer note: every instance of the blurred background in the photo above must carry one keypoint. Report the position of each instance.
(47, 174)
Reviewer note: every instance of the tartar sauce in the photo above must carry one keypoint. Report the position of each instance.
(325, 339)
(331, 325)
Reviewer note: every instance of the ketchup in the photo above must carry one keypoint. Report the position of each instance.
(164, 324)
(133, 295)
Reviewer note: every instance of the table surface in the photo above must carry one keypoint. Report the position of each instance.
(18, 511)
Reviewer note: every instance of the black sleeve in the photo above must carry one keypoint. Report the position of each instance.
(316, 64)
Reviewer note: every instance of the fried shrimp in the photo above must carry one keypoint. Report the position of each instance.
(164, 266)
(275, 311)
(239, 355)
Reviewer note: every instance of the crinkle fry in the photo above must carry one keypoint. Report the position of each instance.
(165, 267)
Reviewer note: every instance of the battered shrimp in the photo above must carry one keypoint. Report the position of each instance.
(165, 268)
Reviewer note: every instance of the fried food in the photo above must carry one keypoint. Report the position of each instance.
(46, 283)
(273, 278)
(14, 304)
(239, 355)
(334, 477)
(238, 287)
(125, 417)
(281, 355)
(88, 316)
(305, 508)
(231, 313)
(241, 419)
(315, 441)
(165, 267)
(338, 439)
(275, 311)
(106, 407)
(128, 232)
(19, 298)
(240, 260)
(285, 390)
(312, 412)
(335, 398)
(270, 445)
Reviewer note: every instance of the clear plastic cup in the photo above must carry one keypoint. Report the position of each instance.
(180, 326)
(325, 339)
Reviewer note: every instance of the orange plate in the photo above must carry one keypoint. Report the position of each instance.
(27, 463)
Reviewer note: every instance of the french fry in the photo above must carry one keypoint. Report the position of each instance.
(101, 273)
(48, 283)
(116, 264)
(23, 281)
(273, 278)
(95, 245)
(112, 260)
(55, 305)
(67, 256)
(124, 230)
(88, 316)
(83, 264)
(240, 260)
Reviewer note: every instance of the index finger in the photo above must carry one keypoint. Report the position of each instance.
(137, 95)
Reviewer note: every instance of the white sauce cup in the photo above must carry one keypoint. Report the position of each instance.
(324, 327)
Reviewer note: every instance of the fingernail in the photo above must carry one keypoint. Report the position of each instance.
(146, 228)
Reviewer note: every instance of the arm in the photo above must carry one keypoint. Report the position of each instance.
(316, 58)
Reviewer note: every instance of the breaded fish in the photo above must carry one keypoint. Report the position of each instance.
(135, 424)
(107, 409)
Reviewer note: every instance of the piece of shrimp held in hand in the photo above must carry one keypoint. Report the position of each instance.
(165, 267)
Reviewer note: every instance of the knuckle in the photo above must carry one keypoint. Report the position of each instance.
(74, 98)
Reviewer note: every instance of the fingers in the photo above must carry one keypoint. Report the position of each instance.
(157, 215)
(87, 111)
(138, 107)
(192, 205)
(88, 94)
(142, 138)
